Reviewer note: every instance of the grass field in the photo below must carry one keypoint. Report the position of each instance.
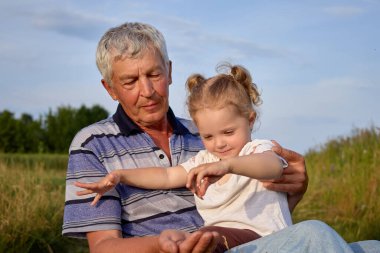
(344, 186)
(343, 191)
(31, 204)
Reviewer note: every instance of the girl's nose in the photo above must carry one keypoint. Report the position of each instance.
(219, 142)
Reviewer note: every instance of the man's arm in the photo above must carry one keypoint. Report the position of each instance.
(169, 241)
(111, 241)
(294, 179)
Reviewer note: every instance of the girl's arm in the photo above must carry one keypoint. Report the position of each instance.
(147, 178)
(259, 166)
(156, 178)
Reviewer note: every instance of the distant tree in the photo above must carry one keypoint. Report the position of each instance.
(62, 125)
(51, 133)
(59, 128)
(8, 132)
(29, 134)
(85, 116)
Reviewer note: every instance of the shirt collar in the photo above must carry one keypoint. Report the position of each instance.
(128, 126)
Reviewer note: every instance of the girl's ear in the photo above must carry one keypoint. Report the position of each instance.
(251, 119)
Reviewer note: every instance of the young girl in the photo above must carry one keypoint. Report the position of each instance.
(225, 176)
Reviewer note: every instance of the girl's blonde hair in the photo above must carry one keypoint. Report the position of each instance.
(234, 87)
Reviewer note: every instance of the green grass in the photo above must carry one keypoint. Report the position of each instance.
(344, 185)
(343, 192)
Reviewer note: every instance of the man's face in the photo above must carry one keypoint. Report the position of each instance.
(141, 86)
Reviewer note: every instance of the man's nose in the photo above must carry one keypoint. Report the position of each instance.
(146, 87)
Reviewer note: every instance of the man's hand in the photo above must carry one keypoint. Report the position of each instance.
(294, 179)
(174, 241)
(100, 187)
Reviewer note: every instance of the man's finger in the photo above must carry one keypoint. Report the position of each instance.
(278, 187)
(168, 245)
(277, 148)
(207, 243)
(199, 242)
(285, 153)
(289, 188)
(189, 244)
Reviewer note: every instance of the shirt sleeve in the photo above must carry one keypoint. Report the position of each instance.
(79, 216)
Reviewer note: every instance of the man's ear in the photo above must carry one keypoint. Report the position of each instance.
(109, 89)
(170, 72)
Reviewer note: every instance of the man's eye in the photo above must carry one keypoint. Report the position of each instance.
(129, 84)
(155, 75)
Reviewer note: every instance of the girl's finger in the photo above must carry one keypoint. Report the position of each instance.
(84, 192)
(96, 199)
(200, 176)
(84, 185)
(203, 188)
(189, 181)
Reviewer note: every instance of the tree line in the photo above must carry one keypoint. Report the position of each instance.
(50, 133)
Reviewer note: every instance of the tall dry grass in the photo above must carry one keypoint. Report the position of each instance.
(344, 187)
(31, 204)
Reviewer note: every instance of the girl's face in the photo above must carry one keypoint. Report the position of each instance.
(224, 132)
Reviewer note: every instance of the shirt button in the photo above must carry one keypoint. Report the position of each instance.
(161, 156)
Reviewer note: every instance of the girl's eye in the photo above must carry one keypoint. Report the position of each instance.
(230, 132)
(207, 137)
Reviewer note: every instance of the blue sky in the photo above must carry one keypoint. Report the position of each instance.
(317, 63)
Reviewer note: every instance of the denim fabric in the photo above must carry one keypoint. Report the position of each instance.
(369, 246)
(307, 236)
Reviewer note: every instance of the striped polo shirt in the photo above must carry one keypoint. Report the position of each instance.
(118, 143)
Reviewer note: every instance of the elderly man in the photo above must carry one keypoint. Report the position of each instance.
(144, 132)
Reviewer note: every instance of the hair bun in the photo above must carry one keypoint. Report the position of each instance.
(193, 81)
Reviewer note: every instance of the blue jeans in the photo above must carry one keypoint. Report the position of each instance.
(307, 236)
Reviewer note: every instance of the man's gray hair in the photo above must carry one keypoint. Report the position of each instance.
(129, 40)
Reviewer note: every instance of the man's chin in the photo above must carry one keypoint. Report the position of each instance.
(152, 119)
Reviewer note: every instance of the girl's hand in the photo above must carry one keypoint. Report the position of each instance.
(100, 187)
(199, 178)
